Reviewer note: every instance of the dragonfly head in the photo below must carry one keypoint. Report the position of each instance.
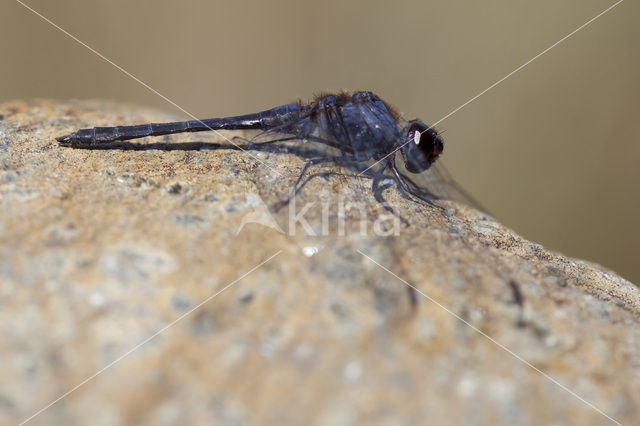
(421, 148)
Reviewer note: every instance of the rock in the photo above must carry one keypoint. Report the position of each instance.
(103, 248)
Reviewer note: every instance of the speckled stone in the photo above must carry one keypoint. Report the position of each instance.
(102, 248)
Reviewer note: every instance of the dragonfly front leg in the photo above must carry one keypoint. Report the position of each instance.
(406, 190)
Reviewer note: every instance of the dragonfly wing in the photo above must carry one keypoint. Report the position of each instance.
(440, 184)
(304, 137)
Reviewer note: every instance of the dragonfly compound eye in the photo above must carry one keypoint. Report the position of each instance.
(422, 147)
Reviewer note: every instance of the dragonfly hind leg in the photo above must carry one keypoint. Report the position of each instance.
(344, 161)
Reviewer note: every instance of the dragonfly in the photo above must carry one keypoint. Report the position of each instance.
(356, 128)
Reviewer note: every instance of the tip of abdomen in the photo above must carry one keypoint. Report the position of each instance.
(67, 139)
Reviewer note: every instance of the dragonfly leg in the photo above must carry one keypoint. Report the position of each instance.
(378, 189)
(337, 160)
(405, 189)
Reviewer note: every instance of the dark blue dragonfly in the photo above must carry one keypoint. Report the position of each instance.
(359, 128)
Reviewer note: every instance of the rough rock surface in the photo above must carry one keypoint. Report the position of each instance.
(100, 249)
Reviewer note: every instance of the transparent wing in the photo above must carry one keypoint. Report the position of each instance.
(440, 184)
(303, 137)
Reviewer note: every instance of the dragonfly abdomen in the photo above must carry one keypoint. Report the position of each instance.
(276, 117)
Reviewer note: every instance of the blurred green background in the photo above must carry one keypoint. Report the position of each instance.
(552, 151)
